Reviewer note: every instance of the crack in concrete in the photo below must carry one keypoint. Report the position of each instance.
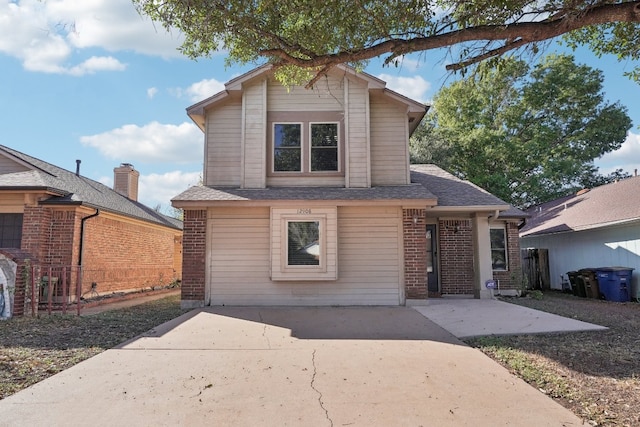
(313, 380)
(264, 330)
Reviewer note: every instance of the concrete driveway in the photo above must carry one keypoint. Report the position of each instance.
(288, 366)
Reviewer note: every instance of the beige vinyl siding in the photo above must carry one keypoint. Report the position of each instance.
(12, 203)
(389, 143)
(369, 266)
(357, 135)
(254, 136)
(306, 181)
(9, 166)
(326, 95)
(223, 162)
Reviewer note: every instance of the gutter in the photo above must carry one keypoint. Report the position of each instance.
(82, 221)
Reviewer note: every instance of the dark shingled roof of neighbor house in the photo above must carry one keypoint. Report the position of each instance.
(610, 204)
(73, 189)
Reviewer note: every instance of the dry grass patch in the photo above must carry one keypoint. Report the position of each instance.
(32, 349)
(595, 374)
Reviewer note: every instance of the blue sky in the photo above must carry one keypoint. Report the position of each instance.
(92, 80)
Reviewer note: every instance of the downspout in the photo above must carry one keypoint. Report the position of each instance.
(82, 221)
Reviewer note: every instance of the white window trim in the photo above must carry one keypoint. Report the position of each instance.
(506, 247)
(327, 217)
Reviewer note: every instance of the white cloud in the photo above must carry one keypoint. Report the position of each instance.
(409, 63)
(151, 92)
(151, 143)
(413, 87)
(158, 189)
(97, 63)
(200, 90)
(626, 157)
(46, 35)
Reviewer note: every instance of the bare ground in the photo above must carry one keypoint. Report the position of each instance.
(595, 374)
(32, 349)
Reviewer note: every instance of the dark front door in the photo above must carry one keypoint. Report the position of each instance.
(432, 259)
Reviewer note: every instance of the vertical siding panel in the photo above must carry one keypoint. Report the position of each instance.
(254, 127)
(357, 141)
(223, 152)
(389, 142)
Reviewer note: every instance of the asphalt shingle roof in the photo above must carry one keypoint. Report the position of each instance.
(599, 207)
(401, 192)
(74, 189)
(453, 191)
(429, 183)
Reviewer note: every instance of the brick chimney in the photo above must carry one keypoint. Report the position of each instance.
(125, 181)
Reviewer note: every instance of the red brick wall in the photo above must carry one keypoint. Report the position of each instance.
(63, 245)
(193, 255)
(120, 254)
(511, 279)
(415, 253)
(36, 223)
(456, 257)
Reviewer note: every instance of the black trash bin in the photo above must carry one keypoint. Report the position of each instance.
(577, 284)
(590, 280)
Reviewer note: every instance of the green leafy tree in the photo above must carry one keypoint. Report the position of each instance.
(528, 135)
(428, 145)
(318, 35)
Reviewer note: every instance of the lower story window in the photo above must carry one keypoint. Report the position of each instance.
(303, 243)
(498, 238)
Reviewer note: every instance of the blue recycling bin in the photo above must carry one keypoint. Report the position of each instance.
(615, 283)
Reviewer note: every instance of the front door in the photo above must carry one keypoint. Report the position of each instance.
(432, 259)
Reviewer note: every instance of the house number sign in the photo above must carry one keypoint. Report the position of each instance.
(304, 211)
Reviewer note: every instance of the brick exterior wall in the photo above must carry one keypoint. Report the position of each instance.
(120, 254)
(511, 279)
(64, 238)
(36, 222)
(194, 255)
(456, 257)
(124, 255)
(415, 253)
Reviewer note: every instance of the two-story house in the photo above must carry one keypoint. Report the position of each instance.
(309, 199)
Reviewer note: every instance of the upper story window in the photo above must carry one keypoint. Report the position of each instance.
(308, 147)
(310, 144)
(324, 146)
(498, 238)
(287, 146)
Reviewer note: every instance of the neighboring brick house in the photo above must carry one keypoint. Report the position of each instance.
(79, 231)
(309, 199)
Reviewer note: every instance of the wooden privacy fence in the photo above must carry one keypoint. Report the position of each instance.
(535, 267)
